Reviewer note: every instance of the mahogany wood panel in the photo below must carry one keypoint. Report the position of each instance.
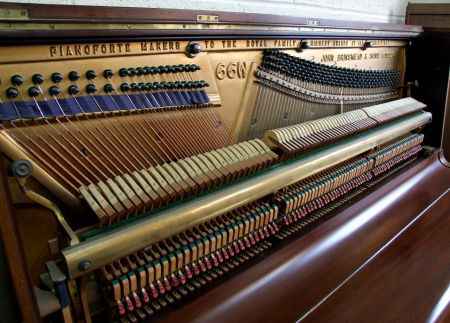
(406, 282)
(291, 281)
(15, 255)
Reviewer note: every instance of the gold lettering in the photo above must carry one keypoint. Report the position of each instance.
(242, 70)
(78, 50)
(229, 43)
(232, 70)
(327, 58)
(52, 51)
(220, 71)
(69, 51)
(256, 43)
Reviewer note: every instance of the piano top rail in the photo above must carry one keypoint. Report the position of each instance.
(44, 22)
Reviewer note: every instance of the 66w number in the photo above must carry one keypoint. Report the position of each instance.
(232, 70)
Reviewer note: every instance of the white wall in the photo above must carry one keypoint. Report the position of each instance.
(366, 10)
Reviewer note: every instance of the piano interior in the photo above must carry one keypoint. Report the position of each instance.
(145, 168)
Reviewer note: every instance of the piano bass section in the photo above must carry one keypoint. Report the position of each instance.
(170, 164)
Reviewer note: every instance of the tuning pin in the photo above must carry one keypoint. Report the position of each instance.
(12, 92)
(134, 86)
(37, 79)
(156, 85)
(140, 71)
(108, 73)
(165, 69)
(54, 91)
(123, 72)
(178, 68)
(74, 76)
(125, 87)
(131, 71)
(90, 75)
(33, 91)
(91, 88)
(147, 70)
(73, 89)
(108, 88)
(17, 80)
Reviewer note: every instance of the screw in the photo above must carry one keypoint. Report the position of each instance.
(84, 265)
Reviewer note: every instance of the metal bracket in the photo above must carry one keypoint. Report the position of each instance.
(21, 170)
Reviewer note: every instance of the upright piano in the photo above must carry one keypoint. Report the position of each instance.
(195, 166)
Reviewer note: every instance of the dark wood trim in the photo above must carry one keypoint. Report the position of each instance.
(428, 9)
(292, 280)
(99, 14)
(19, 37)
(432, 16)
(15, 254)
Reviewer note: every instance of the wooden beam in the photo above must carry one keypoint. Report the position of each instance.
(14, 253)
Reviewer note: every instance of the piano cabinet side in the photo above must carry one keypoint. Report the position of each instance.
(14, 254)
